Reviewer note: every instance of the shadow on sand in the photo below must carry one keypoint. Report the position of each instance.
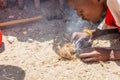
(9, 72)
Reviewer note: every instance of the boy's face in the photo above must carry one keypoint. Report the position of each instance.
(90, 10)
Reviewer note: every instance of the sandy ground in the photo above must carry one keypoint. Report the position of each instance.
(31, 55)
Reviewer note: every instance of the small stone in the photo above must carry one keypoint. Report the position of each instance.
(30, 40)
(10, 39)
(24, 32)
(11, 17)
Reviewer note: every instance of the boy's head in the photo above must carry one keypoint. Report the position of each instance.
(90, 10)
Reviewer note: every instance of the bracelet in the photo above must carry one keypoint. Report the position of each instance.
(88, 31)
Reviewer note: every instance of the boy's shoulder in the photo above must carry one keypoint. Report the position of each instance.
(114, 7)
(113, 3)
(118, 1)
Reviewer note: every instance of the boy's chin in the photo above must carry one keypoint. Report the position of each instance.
(96, 21)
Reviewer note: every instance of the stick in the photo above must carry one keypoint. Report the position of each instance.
(20, 21)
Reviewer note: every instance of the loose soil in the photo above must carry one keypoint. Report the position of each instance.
(28, 51)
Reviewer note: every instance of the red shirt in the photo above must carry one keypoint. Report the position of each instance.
(110, 19)
(0, 38)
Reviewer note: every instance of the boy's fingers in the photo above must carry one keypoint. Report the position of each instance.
(86, 55)
(74, 35)
(78, 40)
(80, 43)
(93, 59)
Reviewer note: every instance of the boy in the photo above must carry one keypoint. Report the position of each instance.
(92, 10)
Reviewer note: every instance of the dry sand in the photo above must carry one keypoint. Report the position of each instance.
(31, 55)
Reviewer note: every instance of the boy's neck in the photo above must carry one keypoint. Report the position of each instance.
(105, 5)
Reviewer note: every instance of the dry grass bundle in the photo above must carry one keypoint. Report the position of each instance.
(67, 50)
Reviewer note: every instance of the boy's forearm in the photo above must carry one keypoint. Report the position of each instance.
(98, 32)
(100, 27)
(103, 29)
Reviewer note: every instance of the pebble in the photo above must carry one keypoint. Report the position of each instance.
(30, 40)
(10, 39)
(11, 17)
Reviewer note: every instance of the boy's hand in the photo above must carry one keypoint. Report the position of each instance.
(81, 40)
(78, 36)
(95, 55)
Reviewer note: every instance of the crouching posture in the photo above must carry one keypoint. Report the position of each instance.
(92, 10)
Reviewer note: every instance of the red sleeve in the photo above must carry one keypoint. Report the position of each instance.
(119, 28)
(109, 19)
(0, 37)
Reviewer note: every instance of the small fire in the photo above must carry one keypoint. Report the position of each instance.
(67, 50)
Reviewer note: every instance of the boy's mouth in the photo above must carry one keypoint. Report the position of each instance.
(84, 18)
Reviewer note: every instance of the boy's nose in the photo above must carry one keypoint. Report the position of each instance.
(80, 14)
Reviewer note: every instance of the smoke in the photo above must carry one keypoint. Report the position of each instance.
(75, 23)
